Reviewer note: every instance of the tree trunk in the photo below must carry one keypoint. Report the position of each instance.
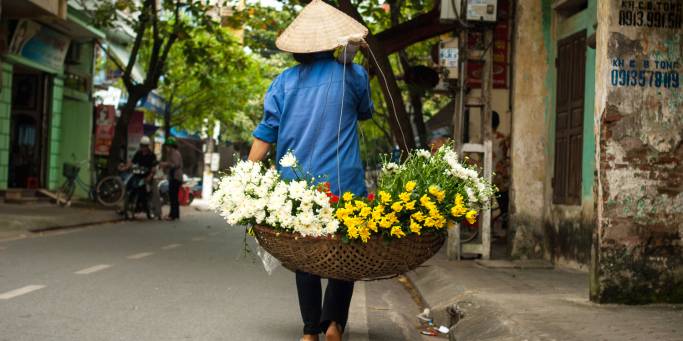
(121, 132)
(398, 119)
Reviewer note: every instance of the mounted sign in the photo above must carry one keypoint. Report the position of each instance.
(449, 57)
(40, 44)
(482, 10)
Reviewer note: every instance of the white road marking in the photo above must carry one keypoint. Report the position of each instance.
(21, 291)
(140, 255)
(92, 269)
(170, 246)
(197, 239)
(358, 320)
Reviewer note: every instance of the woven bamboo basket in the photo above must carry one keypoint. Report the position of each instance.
(329, 257)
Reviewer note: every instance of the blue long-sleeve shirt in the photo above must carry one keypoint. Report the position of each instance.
(302, 110)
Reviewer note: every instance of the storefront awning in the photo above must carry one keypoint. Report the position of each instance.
(122, 56)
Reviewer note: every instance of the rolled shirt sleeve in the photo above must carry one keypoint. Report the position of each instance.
(362, 84)
(267, 130)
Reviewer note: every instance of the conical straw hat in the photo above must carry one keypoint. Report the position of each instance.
(319, 27)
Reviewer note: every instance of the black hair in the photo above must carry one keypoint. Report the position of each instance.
(304, 58)
(307, 58)
(495, 119)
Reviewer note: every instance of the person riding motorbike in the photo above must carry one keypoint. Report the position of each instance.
(147, 160)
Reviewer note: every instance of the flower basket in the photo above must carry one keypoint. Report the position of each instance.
(329, 257)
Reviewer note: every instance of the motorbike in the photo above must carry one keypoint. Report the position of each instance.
(137, 195)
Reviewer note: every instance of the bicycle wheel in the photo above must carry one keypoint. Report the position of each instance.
(110, 190)
(65, 192)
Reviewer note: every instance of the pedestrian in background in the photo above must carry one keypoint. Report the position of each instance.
(174, 170)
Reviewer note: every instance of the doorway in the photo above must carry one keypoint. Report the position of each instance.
(29, 127)
(571, 71)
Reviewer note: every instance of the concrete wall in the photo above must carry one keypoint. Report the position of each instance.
(639, 204)
(528, 133)
(5, 113)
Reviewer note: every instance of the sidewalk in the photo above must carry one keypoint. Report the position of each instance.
(20, 221)
(501, 302)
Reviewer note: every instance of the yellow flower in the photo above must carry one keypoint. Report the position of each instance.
(388, 220)
(397, 232)
(430, 222)
(418, 216)
(397, 207)
(360, 204)
(349, 206)
(410, 186)
(415, 227)
(410, 205)
(384, 197)
(372, 225)
(365, 211)
(405, 196)
(458, 211)
(438, 194)
(426, 202)
(348, 196)
(440, 222)
(352, 232)
(459, 200)
(364, 234)
(471, 216)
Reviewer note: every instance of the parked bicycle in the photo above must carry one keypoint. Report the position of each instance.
(107, 192)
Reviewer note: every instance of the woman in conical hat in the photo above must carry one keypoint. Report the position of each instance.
(303, 112)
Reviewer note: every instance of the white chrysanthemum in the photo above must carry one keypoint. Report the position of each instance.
(423, 153)
(390, 167)
(288, 160)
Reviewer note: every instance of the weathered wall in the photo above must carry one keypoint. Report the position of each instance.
(528, 135)
(639, 125)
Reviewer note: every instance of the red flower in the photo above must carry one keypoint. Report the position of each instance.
(371, 196)
(334, 199)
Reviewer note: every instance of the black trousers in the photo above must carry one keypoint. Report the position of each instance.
(173, 191)
(316, 313)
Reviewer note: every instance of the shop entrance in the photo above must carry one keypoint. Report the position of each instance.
(29, 127)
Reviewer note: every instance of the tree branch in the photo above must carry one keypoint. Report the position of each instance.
(420, 28)
(139, 35)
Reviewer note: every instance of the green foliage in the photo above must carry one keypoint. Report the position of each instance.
(211, 79)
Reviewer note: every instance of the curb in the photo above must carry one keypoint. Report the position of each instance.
(75, 226)
(469, 316)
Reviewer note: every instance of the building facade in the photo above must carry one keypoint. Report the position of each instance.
(46, 107)
(596, 143)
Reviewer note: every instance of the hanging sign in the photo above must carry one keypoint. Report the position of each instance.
(40, 44)
(105, 120)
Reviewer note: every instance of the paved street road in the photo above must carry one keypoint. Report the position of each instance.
(149, 280)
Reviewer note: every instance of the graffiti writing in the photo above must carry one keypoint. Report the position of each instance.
(645, 73)
(651, 13)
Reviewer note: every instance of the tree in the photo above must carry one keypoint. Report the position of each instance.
(223, 84)
(157, 25)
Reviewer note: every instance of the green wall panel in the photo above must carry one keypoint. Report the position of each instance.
(5, 109)
(54, 173)
(76, 132)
